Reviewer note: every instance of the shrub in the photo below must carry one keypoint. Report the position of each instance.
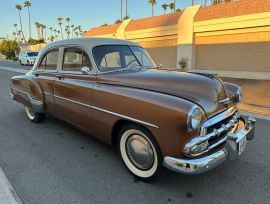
(183, 63)
(8, 48)
(35, 42)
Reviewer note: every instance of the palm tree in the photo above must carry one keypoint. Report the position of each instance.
(19, 8)
(27, 4)
(51, 38)
(60, 26)
(16, 29)
(121, 10)
(172, 6)
(192, 3)
(38, 29)
(126, 8)
(51, 29)
(79, 29)
(152, 2)
(165, 6)
(45, 32)
(67, 29)
(72, 31)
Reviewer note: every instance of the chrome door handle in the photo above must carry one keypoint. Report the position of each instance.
(59, 76)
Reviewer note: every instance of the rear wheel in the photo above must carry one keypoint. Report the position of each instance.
(34, 116)
(140, 152)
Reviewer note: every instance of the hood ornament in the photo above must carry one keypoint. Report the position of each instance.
(225, 101)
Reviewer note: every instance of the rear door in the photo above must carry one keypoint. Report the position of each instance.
(45, 74)
(73, 89)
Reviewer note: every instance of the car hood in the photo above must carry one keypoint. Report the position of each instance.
(207, 92)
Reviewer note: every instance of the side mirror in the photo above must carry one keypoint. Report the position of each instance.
(85, 70)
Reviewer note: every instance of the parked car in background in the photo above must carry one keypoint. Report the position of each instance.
(28, 57)
(109, 88)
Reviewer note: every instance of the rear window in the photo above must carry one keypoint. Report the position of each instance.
(32, 54)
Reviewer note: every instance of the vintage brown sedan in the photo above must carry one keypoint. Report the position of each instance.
(111, 89)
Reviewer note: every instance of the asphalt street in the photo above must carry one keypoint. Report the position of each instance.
(53, 162)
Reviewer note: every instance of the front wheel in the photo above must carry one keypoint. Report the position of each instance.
(140, 152)
(34, 116)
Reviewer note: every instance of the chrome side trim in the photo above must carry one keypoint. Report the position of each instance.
(109, 112)
(72, 101)
(49, 94)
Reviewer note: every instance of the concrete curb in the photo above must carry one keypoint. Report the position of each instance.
(7, 192)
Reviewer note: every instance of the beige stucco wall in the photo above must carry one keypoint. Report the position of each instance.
(234, 56)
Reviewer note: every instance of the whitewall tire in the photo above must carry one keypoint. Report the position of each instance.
(140, 152)
(34, 116)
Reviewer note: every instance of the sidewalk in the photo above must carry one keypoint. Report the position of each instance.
(7, 193)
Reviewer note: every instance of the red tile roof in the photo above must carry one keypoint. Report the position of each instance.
(103, 30)
(230, 9)
(152, 22)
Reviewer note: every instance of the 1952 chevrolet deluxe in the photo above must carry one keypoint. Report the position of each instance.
(111, 89)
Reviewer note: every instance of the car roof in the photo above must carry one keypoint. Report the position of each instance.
(91, 42)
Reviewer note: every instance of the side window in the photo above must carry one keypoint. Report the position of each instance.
(75, 59)
(42, 65)
(49, 61)
(52, 59)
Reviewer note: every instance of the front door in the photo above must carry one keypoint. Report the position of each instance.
(73, 89)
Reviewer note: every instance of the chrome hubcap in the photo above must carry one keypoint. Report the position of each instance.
(140, 152)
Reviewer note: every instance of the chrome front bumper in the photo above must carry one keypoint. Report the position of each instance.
(206, 163)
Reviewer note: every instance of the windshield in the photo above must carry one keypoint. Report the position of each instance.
(117, 57)
(32, 54)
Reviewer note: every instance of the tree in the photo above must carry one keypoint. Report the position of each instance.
(8, 48)
(60, 26)
(117, 21)
(72, 31)
(165, 6)
(19, 8)
(192, 3)
(121, 10)
(37, 24)
(152, 2)
(126, 17)
(68, 21)
(16, 29)
(126, 9)
(67, 29)
(216, 2)
(27, 4)
(172, 7)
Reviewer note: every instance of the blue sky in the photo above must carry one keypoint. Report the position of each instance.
(87, 13)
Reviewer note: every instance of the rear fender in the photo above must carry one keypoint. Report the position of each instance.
(26, 90)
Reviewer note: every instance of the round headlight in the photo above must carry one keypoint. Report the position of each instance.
(238, 95)
(194, 118)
